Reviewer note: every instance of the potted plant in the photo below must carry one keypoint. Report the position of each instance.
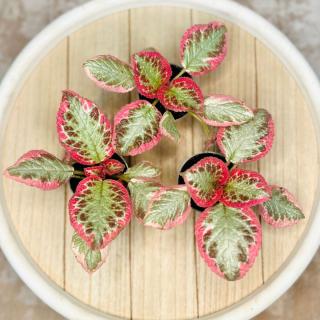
(228, 231)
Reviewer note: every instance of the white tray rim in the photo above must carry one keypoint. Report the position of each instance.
(47, 39)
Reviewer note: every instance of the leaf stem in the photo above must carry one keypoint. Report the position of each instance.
(123, 177)
(204, 126)
(78, 177)
(179, 74)
(155, 102)
(79, 173)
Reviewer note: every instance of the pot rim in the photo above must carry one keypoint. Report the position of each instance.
(47, 39)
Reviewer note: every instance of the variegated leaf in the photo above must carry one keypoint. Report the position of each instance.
(151, 71)
(205, 180)
(97, 171)
(113, 166)
(141, 191)
(244, 188)
(223, 111)
(282, 209)
(91, 260)
(249, 141)
(40, 169)
(203, 47)
(110, 73)
(83, 129)
(99, 210)
(168, 207)
(136, 128)
(168, 127)
(141, 170)
(183, 94)
(228, 239)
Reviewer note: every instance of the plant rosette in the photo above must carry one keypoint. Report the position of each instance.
(107, 192)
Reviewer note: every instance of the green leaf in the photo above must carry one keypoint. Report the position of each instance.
(244, 188)
(40, 169)
(168, 207)
(205, 180)
(90, 260)
(141, 191)
(203, 47)
(110, 73)
(282, 209)
(83, 129)
(99, 210)
(249, 141)
(151, 71)
(229, 239)
(136, 128)
(143, 169)
(183, 94)
(223, 111)
(168, 126)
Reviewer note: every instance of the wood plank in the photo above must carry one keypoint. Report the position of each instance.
(235, 77)
(156, 275)
(38, 216)
(109, 288)
(293, 160)
(163, 265)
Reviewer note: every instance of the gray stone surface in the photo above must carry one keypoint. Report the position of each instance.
(20, 20)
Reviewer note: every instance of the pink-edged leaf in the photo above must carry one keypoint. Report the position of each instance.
(203, 47)
(40, 169)
(151, 71)
(90, 260)
(110, 73)
(168, 207)
(205, 180)
(99, 210)
(83, 129)
(113, 166)
(136, 128)
(168, 127)
(141, 170)
(97, 171)
(282, 210)
(228, 239)
(183, 94)
(223, 111)
(141, 191)
(249, 141)
(244, 188)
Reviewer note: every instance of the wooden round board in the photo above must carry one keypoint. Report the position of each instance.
(153, 274)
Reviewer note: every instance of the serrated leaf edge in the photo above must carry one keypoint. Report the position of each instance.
(102, 84)
(227, 123)
(268, 144)
(253, 250)
(262, 185)
(78, 227)
(283, 223)
(46, 186)
(171, 224)
(220, 57)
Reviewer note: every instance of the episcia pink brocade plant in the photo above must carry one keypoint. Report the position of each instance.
(170, 88)
(101, 206)
(228, 232)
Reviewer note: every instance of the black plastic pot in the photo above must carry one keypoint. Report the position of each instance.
(177, 115)
(193, 160)
(73, 182)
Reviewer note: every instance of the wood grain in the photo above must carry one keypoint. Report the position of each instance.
(38, 216)
(109, 288)
(152, 274)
